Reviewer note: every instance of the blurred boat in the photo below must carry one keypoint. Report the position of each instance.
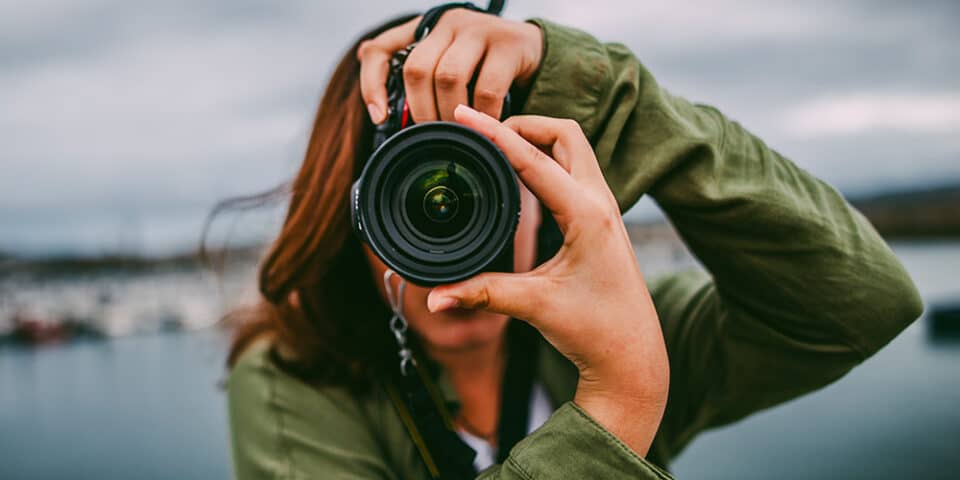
(944, 322)
(35, 331)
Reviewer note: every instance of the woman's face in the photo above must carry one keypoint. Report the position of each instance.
(461, 329)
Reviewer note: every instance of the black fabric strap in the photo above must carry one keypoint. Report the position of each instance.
(517, 386)
(425, 416)
(430, 427)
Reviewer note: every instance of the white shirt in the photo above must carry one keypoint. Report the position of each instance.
(540, 411)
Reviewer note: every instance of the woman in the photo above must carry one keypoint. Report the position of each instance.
(799, 287)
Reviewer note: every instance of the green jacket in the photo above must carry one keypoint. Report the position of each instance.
(800, 289)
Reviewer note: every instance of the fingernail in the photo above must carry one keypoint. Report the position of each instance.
(466, 111)
(442, 303)
(376, 114)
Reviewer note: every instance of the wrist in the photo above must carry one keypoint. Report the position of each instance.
(633, 419)
(627, 393)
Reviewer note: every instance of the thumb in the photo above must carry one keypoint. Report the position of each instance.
(512, 294)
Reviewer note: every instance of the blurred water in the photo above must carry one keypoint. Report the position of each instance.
(148, 406)
(144, 407)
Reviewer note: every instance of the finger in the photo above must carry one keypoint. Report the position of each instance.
(374, 56)
(418, 75)
(545, 146)
(540, 173)
(393, 39)
(525, 238)
(497, 73)
(373, 84)
(454, 71)
(566, 142)
(512, 294)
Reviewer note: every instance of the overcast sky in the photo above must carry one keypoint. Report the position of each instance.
(122, 121)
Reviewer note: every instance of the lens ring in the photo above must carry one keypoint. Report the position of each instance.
(382, 227)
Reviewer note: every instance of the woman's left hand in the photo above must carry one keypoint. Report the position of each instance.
(590, 300)
(435, 75)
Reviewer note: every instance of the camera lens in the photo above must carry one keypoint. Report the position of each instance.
(437, 202)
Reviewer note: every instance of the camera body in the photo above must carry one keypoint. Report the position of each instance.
(437, 202)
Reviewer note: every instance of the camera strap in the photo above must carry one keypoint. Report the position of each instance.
(427, 419)
(432, 16)
(419, 404)
(424, 412)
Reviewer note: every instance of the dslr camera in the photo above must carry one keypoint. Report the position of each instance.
(438, 202)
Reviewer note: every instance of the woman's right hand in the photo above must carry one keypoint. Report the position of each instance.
(590, 300)
(462, 45)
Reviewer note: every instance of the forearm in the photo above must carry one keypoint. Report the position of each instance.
(780, 244)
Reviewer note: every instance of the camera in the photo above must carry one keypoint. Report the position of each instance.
(438, 202)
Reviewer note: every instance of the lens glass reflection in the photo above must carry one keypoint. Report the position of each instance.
(441, 199)
(440, 204)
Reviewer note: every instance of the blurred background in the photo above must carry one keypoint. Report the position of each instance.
(123, 122)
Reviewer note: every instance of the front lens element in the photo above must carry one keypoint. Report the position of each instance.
(440, 204)
(440, 199)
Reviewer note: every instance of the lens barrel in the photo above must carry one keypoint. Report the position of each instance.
(438, 203)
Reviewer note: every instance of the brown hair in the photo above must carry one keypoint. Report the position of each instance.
(336, 332)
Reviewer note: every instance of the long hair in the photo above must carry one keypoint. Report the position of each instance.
(336, 332)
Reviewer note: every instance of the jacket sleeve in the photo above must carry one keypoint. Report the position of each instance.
(800, 287)
(283, 429)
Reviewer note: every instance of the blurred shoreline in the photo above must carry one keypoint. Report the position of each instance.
(49, 301)
(64, 298)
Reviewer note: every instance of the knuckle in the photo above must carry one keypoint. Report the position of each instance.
(495, 136)
(571, 127)
(607, 218)
(509, 35)
(457, 15)
(597, 210)
(534, 153)
(482, 298)
(374, 49)
(362, 48)
(448, 79)
(454, 14)
(415, 72)
(516, 122)
(487, 95)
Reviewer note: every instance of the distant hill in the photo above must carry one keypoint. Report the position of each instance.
(132, 264)
(914, 214)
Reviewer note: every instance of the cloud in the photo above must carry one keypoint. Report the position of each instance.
(933, 113)
(126, 115)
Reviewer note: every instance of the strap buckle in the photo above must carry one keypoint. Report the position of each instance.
(398, 323)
